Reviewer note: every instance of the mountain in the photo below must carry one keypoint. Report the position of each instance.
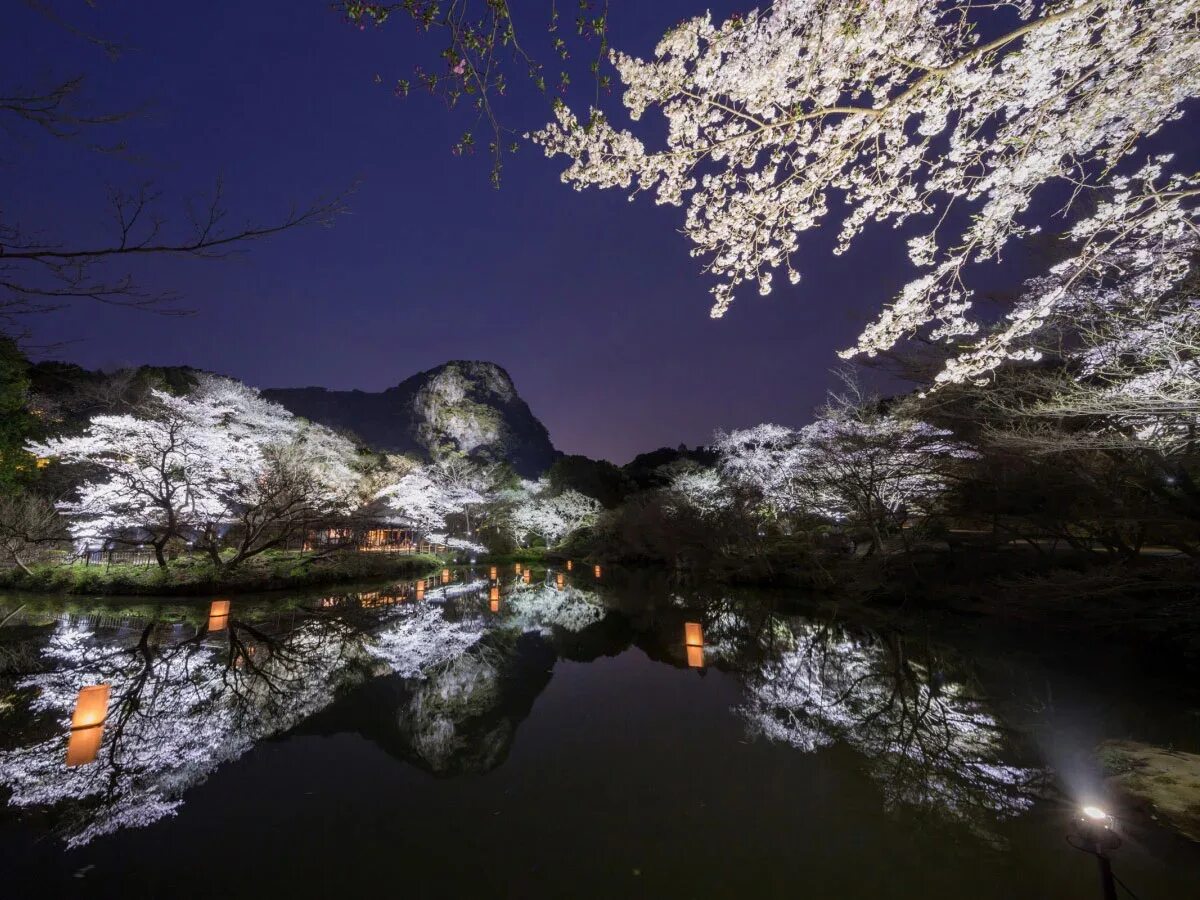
(466, 406)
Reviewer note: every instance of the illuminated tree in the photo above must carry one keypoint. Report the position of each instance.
(191, 468)
(898, 109)
(860, 465)
(538, 510)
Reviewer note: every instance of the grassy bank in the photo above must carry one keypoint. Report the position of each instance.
(196, 575)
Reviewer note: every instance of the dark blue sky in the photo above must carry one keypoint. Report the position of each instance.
(592, 303)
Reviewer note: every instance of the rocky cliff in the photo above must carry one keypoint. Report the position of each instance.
(464, 406)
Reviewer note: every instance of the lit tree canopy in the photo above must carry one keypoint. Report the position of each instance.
(538, 510)
(959, 111)
(184, 467)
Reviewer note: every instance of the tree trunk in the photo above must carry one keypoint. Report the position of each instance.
(159, 555)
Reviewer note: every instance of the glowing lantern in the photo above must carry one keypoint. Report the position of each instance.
(596, 571)
(445, 576)
(494, 599)
(494, 573)
(517, 568)
(528, 574)
(570, 565)
(218, 615)
(693, 639)
(87, 724)
(559, 580)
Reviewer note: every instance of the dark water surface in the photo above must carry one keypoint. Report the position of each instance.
(556, 742)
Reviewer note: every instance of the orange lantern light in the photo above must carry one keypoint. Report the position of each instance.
(83, 746)
(91, 706)
(596, 571)
(570, 565)
(421, 586)
(445, 576)
(493, 573)
(87, 724)
(693, 640)
(517, 568)
(494, 599)
(420, 593)
(559, 580)
(218, 615)
(528, 574)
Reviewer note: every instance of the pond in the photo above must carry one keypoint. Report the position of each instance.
(561, 734)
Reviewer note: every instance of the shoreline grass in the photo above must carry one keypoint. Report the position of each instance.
(196, 575)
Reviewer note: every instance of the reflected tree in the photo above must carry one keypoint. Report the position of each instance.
(928, 742)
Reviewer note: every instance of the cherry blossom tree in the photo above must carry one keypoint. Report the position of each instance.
(418, 500)
(218, 464)
(538, 510)
(860, 465)
(956, 112)
(765, 460)
(855, 463)
(703, 489)
(156, 476)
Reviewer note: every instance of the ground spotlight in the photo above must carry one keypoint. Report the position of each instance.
(1094, 833)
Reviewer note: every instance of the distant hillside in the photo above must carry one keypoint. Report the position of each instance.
(465, 406)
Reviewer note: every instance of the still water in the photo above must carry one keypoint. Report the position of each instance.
(560, 735)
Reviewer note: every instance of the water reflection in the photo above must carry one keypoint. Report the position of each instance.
(929, 743)
(447, 669)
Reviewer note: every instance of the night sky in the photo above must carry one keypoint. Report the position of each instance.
(591, 302)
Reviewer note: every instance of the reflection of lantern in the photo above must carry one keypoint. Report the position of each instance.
(693, 639)
(494, 599)
(528, 574)
(596, 571)
(445, 576)
(570, 565)
(559, 580)
(493, 573)
(218, 615)
(87, 724)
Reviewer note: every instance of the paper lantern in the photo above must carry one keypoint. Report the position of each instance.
(83, 746)
(87, 724)
(445, 576)
(517, 568)
(218, 615)
(91, 706)
(528, 574)
(693, 640)
(420, 593)
(494, 573)
(570, 565)
(596, 571)
(494, 599)
(560, 580)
